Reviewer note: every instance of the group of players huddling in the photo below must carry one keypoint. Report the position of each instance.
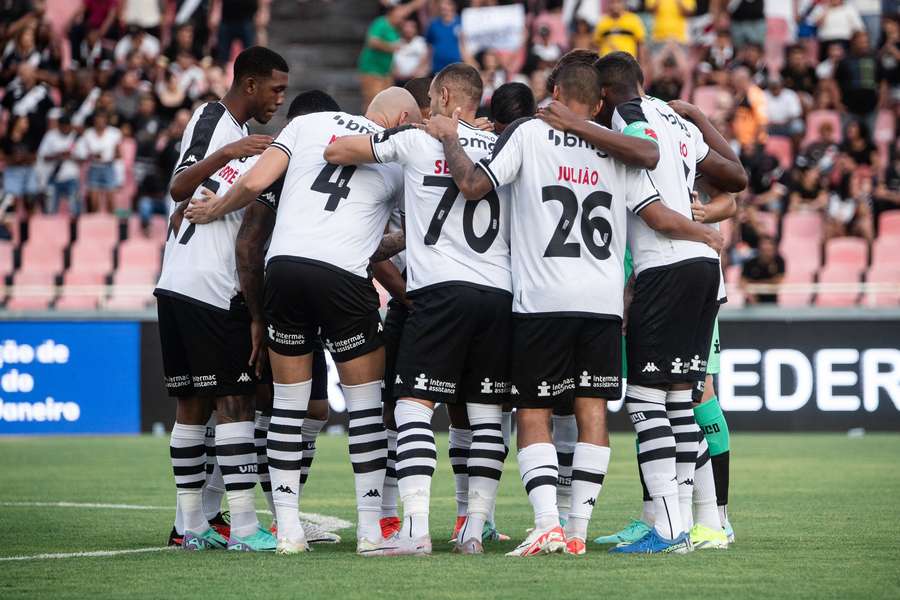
(509, 261)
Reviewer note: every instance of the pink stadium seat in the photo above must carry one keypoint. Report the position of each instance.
(127, 303)
(796, 298)
(40, 290)
(6, 258)
(889, 223)
(75, 295)
(140, 254)
(886, 251)
(884, 275)
(884, 127)
(125, 195)
(733, 274)
(847, 252)
(159, 226)
(99, 227)
(776, 39)
(816, 118)
(801, 257)
(37, 256)
(768, 223)
(132, 289)
(802, 226)
(838, 274)
(707, 98)
(780, 147)
(49, 230)
(88, 256)
(135, 277)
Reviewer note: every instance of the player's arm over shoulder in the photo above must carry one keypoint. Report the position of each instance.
(390, 145)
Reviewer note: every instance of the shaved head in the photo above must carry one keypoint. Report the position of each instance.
(392, 107)
(456, 85)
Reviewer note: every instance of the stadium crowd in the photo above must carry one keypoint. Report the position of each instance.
(808, 100)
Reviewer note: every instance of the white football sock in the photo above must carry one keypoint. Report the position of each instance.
(391, 493)
(416, 460)
(565, 436)
(236, 456)
(214, 489)
(506, 430)
(705, 511)
(310, 431)
(460, 442)
(656, 455)
(539, 472)
(260, 432)
(283, 447)
(589, 467)
(485, 466)
(648, 514)
(680, 411)
(368, 454)
(187, 449)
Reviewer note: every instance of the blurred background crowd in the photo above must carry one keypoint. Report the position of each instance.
(95, 94)
(807, 91)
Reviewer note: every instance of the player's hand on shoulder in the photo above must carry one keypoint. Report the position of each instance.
(440, 127)
(200, 210)
(684, 109)
(558, 116)
(698, 210)
(250, 145)
(484, 124)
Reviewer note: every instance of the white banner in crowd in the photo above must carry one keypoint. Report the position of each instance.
(498, 27)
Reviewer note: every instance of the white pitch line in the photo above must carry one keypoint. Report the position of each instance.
(100, 553)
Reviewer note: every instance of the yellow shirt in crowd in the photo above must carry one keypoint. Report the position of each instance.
(624, 33)
(668, 22)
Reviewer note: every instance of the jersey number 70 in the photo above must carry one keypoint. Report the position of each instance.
(479, 244)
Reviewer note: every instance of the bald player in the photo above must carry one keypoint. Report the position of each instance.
(330, 221)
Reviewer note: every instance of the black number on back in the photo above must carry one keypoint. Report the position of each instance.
(558, 246)
(213, 186)
(337, 189)
(479, 244)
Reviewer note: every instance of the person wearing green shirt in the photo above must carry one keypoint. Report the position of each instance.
(377, 56)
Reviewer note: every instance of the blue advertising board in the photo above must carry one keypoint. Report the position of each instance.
(69, 377)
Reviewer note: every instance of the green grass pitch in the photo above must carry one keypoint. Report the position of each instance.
(816, 516)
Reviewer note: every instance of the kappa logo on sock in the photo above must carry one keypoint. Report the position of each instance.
(590, 502)
(285, 490)
(650, 368)
(372, 494)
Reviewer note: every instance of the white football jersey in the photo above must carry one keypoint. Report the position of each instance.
(328, 213)
(395, 223)
(448, 239)
(681, 147)
(568, 220)
(199, 262)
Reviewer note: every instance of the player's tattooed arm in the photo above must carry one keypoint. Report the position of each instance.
(350, 150)
(630, 150)
(391, 244)
(674, 225)
(721, 167)
(270, 166)
(472, 182)
(256, 227)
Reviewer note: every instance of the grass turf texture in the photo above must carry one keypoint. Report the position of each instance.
(815, 516)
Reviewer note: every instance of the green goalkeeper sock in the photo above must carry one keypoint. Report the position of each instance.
(712, 423)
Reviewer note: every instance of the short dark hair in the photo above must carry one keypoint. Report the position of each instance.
(620, 72)
(419, 87)
(579, 56)
(464, 78)
(512, 101)
(258, 61)
(312, 101)
(580, 82)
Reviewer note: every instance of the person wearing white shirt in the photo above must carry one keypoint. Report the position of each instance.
(99, 146)
(411, 58)
(785, 114)
(55, 153)
(837, 22)
(138, 40)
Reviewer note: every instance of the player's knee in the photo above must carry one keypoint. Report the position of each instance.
(459, 417)
(233, 409)
(318, 410)
(192, 410)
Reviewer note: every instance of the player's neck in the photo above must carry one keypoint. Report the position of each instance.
(236, 106)
(466, 115)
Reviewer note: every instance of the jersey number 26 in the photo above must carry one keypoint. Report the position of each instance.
(558, 246)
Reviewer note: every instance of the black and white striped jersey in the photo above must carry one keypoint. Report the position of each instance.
(448, 240)
(199, 263)
(328, 213)
(681, 147)
(567, 218)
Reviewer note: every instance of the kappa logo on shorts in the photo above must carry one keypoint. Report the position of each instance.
(244, 378)
(650, 368)
(397, 380)
(514, 391)
(696, 363)
(678, 366)
(380, 327)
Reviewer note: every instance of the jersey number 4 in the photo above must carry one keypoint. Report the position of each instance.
(558, 246)
(479, 244)
(338, 189)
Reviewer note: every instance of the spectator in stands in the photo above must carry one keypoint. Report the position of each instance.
(858, 78)
(22, 49)
(837, 21)
(720, 53)
(444, 34)
(858, 146)
(411, 58)
(749, 121)
(26, 97)
(128, 95)
(753, 58)
(799, 75)
(748, 21)
(783, 110)
(889, 59)
(583, 36)
(886, 195)
(382, 40)
(545, 49)
(99, 147)
(236, 23)
(56, 154)
(669, 81)
(493, 75)
(18, 149)
(184, 40)
(807, 191)
(834, 54)
(825, 150)
(850, 206)
(144, 14)
(95, 15)
(620, 30)
(136, 40)
(670, 20)
(767, 267)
